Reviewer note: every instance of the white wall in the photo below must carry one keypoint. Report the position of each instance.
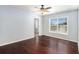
(72, 25)
(16, 24)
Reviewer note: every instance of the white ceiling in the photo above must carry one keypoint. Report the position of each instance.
(55, 8)
(61, 8)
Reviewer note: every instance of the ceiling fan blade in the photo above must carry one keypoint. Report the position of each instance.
(44, 10)
(48, 8)
(37, 7)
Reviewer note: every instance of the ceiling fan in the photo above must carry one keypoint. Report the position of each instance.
(44, 9)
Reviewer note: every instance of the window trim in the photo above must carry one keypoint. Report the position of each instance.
(57, 32)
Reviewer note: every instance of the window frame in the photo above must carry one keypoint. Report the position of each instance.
(57, 32)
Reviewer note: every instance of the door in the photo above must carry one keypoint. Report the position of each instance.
(36, 29)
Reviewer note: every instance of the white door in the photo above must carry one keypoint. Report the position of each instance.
(78, 30)
(36, 29)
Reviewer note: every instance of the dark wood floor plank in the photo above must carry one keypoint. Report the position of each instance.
(45, 45)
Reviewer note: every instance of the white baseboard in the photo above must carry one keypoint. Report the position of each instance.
(29, 38)
(15, 41)
(63, 39)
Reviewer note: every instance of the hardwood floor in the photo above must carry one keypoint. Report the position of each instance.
(45, 45)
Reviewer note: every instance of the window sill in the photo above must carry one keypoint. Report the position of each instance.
(58, 32)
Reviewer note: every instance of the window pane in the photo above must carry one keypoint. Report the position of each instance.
(53, 25)
(53, 28)
(62, 25)
(53, 21)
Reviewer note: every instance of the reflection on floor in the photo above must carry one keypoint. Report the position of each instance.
(45, 45)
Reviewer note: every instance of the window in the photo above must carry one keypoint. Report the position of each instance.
(58, 25)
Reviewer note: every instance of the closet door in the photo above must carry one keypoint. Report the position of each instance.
(78, 30)
(36, 29)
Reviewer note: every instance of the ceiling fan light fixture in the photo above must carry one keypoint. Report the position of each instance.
(43, 10)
